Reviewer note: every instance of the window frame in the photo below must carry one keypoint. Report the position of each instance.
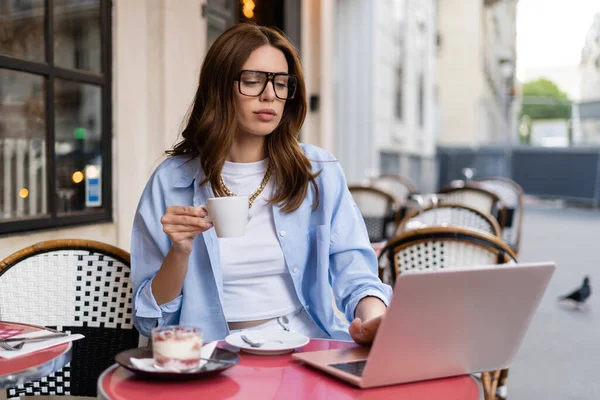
(49, 72)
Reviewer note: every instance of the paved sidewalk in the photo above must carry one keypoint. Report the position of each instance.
(560, 357)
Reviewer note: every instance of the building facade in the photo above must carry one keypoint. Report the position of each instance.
(475, 70)
(590, 63)
(88, 107)
(589, 108)
(385, 106)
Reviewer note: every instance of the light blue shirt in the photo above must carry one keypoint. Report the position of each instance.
(324, 249)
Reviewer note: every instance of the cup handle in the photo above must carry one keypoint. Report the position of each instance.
(205, 208)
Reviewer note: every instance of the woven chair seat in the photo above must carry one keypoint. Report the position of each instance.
(72, 286)
(511, 194)
(377, 209)
(451, 215)
(471, 194)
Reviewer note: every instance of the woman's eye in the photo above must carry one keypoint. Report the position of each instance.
(281, 85)
(250, 83)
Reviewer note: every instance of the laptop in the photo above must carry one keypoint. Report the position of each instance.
(444, 323)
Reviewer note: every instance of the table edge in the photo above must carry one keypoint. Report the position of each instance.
(101, 393)
(24, 324)
(37, 372)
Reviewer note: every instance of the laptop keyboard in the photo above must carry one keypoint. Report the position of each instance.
(355, 367)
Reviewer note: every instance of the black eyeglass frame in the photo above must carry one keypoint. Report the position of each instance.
(270, 78)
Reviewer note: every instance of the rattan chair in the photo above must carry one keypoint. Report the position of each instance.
(401, 187)
(511, 194)
(76, 286)
(448, 214)
(475, 196)
(377, 208)
(447, 247)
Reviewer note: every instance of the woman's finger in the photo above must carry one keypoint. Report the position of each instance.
(182, 220)
(186, 210)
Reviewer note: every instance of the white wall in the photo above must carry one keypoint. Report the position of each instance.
(354, 88)
(459, 69)
(419, 61)
(472, 86)
(158, 46)
(407, 41)
(151, 96)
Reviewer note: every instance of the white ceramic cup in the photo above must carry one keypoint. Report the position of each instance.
(229, 215)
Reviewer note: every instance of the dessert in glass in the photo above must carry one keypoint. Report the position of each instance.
(177, 348)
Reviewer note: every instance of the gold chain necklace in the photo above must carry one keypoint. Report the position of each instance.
(255, 195)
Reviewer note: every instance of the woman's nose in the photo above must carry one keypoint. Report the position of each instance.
(269, 93)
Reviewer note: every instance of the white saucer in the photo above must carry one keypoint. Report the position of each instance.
(275, 341)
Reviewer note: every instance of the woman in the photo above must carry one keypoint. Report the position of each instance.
(306, 238)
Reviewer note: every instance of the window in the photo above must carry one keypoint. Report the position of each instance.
(399, 98)
(55, 113)
(421, 100)
(220, 15)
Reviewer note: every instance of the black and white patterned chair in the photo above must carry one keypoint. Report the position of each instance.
(449, 214)
(511, 194)
(76, 286)
(377, 208)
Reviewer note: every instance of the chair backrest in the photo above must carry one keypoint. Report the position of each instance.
(76, 286)
(444, 247)
(511, 194)
(377, 208)
(448, 214)
(472, 196)
(401, 187)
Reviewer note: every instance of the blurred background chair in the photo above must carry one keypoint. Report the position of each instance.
(401, 187)
(377, 208)
(511, 194)
(75, 286)
(448, 214)
(475, 196)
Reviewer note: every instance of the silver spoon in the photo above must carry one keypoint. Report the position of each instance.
(251, 342)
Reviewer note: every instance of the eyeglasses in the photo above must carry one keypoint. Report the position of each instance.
(254, 83)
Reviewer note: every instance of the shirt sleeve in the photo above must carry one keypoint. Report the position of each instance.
(149, 247)
(352, 260)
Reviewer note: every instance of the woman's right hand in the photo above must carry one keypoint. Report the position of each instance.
(182, 224)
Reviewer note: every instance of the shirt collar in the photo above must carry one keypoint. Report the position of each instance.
(188, 172)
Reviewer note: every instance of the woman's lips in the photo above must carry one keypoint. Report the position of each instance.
(265, 116)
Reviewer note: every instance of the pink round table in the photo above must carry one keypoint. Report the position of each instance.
(29, 367)
(278, 377)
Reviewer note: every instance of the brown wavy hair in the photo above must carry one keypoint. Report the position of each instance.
(212, 122)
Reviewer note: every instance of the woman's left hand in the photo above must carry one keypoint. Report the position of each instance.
(364, 332)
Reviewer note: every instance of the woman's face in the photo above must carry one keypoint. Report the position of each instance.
(260, 115)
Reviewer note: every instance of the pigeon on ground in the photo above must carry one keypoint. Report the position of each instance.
(580, 295)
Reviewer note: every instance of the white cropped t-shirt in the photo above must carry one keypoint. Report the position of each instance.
(256, 281)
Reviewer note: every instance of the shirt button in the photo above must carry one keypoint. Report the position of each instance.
(307, 307)
(295, 270)
(282, 233)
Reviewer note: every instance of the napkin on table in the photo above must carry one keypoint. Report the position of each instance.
(147, 364)
(36, 346)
